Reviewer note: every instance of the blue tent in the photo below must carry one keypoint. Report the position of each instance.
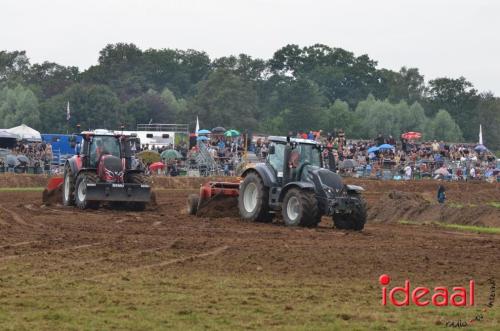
(203, 131)
(373, 149)
(386, 146)
(201, 138)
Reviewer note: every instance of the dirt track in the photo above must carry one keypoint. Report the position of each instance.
(95, 244)
(60, 264)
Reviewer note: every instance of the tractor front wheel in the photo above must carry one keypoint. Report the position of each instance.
(356, 219)
(81, 191)
(300, 208)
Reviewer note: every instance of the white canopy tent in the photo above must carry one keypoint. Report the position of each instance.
(24, 132)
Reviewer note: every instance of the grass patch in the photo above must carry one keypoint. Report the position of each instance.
(167, 299)
(460, 227)
(470, 228)
(455, 205)
(495, 204)
(21, 189)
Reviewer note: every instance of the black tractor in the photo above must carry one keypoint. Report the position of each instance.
(103, 170)
(293, 179)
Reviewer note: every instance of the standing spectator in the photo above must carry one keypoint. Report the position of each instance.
(441, 195)
(408, 172)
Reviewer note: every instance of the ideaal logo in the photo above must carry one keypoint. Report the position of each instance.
(458, 296)
(423, 296)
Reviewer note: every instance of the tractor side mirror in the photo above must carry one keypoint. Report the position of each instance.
(272, 150)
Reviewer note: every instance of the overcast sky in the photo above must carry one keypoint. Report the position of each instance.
(440, 37)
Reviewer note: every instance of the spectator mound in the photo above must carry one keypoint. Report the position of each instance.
(397, 206)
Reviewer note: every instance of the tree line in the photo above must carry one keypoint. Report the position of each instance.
(298, 89)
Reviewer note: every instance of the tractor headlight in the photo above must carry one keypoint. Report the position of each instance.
(328, 190)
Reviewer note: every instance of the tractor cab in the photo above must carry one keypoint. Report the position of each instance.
(291, 158)
(97, 144)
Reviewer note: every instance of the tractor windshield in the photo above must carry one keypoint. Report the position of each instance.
(102, 145)
(309, 154)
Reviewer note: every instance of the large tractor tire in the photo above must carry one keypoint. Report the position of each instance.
(300, 208)
(253, 200)
(68, 187)
(192, 204)
(356, 219)
(138, 178)
(81, 191)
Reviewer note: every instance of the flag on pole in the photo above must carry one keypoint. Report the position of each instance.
(68, 112)
(480, 135)
(197, 127)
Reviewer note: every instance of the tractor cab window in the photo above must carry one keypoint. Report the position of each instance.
(102, 145)
(276, 159)
(309, 154)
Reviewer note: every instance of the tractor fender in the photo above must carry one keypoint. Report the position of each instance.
(264, 172)
(74, 165)
(299, 185)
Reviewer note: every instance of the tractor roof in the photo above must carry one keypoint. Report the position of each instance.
(98, 132)
(281, 139)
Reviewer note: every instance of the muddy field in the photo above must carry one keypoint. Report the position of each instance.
(42, 245)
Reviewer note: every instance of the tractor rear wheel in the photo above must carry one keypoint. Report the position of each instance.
(192, 204)
(253, 200)
(356, 219)
(68, 187)
(81, 191)
(300, 208)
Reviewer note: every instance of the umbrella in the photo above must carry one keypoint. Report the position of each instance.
(373, 149)
(218, 129)
(386, 146)
(171, 154)
(480, 148)
(201, 138)
(347, 164)
(411, 135)
(11, 160)
(442, 171)
(23, 158)
(204, 131)
(232, 133)
(155, 166)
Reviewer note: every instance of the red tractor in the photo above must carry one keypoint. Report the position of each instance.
(102, 171)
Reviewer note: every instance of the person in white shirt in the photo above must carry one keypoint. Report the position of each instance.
(408, 172)
(472, 172)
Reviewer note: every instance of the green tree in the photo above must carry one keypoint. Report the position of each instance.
(225, 99)
(459, 98)
(338, 116)
(488, 111)
(92, 106)
(443, 127)
(18, 105)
